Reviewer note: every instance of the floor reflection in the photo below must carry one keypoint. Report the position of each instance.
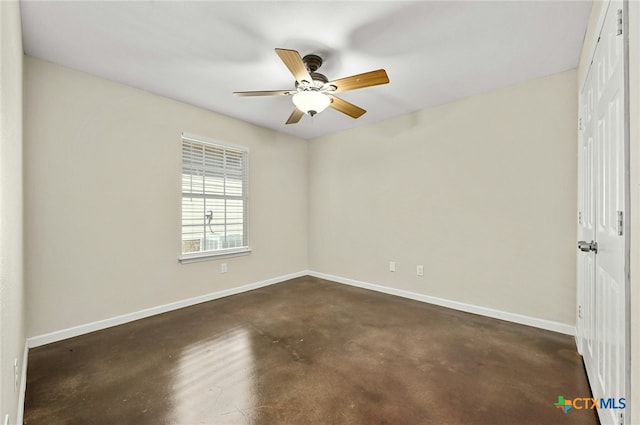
(214, 381)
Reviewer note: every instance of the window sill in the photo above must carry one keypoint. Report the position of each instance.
(216, 255)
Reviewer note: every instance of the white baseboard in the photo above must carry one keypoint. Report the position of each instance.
(55, 336)
(60, 335)
(23, 384)
(469, 308)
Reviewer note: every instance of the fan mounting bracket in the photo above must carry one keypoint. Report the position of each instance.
(312, 62)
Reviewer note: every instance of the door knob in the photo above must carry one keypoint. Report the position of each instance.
(588, 246)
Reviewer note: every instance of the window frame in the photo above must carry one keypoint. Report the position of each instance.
(218, 253)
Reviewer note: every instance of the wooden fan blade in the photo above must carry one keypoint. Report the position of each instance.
(293, 61)
(262, 93)
(368, 79)
(345, 107)
(295, 116)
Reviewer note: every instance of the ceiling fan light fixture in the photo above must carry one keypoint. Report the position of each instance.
(313, 91)
(311, 102)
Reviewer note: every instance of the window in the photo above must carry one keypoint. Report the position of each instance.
(214, 198)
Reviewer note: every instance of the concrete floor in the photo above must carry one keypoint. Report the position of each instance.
(303, 352)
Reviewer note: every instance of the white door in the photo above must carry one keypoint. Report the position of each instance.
(601, 261)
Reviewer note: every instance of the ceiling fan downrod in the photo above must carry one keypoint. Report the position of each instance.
(312, 62)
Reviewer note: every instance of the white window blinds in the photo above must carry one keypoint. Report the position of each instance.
(214, 197)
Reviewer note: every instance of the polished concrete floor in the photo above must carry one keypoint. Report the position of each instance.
(303, 352)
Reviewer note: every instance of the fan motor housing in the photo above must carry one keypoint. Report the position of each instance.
(316, 76)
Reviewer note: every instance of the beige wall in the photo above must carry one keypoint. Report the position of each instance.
(102, 200)
(482, 192)
(11, 256)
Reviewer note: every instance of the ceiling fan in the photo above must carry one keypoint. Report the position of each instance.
(314, 92)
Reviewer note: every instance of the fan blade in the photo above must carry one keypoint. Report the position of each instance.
(345, 107)
(262, 93)
(293, 61)
(295, 116)
(368, 79)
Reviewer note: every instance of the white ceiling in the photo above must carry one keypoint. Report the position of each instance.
(200, 52)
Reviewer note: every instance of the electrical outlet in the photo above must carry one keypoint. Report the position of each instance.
(15, 374)
(420, 270)
(223, 268)
(392, 266)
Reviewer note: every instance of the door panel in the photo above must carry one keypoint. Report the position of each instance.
(586, 224)
(601, 285)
